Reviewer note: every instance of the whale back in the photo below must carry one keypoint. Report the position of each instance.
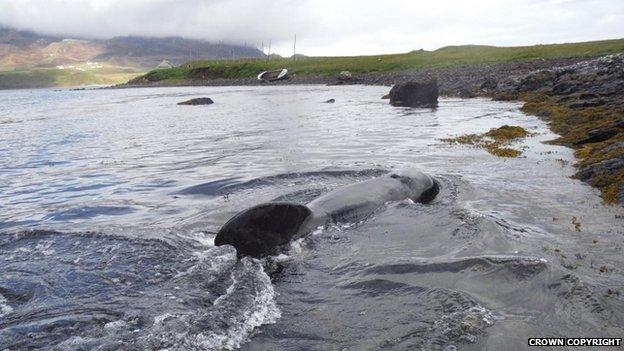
(357, 201)
(259, 230)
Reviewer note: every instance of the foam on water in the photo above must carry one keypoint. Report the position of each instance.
(263, 310)
(4, 306)
(147, 294)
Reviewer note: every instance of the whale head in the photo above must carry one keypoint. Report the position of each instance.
(420, 186)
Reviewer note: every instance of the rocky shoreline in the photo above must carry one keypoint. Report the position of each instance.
(581, 98)
(451, 80)
(584, 103)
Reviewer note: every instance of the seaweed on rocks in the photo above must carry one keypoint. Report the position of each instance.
(584, 103)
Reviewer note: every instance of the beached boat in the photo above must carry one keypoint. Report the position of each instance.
(269, 76)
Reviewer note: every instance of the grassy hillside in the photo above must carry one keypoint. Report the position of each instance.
(53, 77)
(444, 57)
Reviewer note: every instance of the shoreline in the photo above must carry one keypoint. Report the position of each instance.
(450, 79)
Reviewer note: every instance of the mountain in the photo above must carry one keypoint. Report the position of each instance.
(149, 52)
(26, 49)
(23, 38)
(32, 60)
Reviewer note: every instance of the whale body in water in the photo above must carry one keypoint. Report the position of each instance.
(262, 229)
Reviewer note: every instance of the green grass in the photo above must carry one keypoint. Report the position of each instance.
(52, 77)
(445, 57)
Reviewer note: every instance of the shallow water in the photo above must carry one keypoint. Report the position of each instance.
(124, 191)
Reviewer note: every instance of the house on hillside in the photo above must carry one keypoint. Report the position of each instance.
(164, 64)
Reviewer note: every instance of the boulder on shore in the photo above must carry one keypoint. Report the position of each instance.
(489, 84)
(197, 101)
(345, 75)
(465, 93)
(415, 94)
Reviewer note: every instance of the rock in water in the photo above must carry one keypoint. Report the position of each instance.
(385, 97)
(197, 101)
(415, 94)
(330, 101)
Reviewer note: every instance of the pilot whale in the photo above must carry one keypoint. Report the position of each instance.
(260, 230)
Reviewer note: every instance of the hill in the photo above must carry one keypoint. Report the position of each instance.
(149, 52)
(28, 59)
(451, 56)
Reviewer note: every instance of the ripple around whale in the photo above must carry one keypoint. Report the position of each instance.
(520, 267)
(88, 212)
(231, 185)
(146, 293)
(213, 188)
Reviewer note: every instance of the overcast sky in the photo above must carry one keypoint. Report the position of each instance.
(328, 27)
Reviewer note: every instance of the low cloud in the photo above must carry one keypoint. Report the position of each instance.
(232, 21)
(324, 27)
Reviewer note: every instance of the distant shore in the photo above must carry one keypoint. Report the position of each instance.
(461, 65)
(451, 80)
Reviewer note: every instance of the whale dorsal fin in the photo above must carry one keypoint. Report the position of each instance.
(259, 230)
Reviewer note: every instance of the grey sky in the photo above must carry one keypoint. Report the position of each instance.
(328, 27)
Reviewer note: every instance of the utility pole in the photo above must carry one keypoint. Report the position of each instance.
(295, 48)
(269, 54)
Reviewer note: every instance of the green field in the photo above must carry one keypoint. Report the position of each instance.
(53, 77)
(444, 57)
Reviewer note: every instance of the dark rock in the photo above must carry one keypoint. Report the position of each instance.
(385, 97)
(588, 96)
(604, 167)
(587, 103)
(566, 98)
(489, 84)
(330, 101)
(598, 135)
(197, 101)
(565, 88)
(466, 93)
(415, 94)
(537, 81)
(613, 147)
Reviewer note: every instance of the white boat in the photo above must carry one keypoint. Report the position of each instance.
(269, 76)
